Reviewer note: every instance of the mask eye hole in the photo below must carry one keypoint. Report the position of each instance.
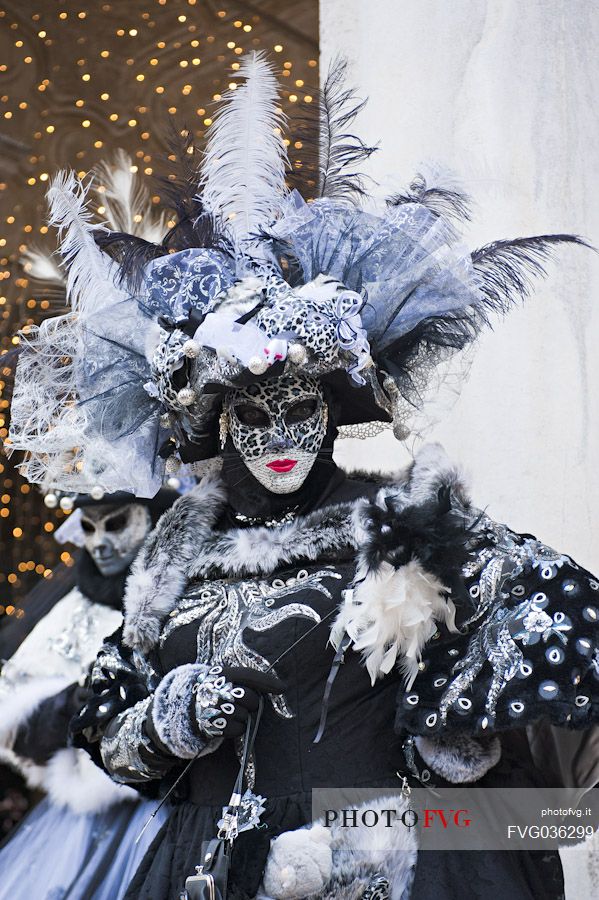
(116, 523)
(87, 526)
(251, 415)
(301, 411)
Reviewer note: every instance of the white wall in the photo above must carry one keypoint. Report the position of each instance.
(504, 93)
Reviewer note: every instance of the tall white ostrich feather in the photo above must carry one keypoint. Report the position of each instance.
(126, 200)
(243, 174)
(90, 273)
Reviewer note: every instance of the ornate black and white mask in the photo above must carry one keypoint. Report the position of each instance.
(113, 535)
(278, 427)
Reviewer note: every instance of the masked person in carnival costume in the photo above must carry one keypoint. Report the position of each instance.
(79, 841)
(256, 333)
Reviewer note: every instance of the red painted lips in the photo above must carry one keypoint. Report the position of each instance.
(282, 465)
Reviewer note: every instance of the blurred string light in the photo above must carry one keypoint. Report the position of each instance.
(76, 82)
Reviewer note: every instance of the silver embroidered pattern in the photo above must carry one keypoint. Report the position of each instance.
(71, 641)
(121, 752)
(492, 576)
(274, 522)
(110, 667)
(146, 670)
(227, 609)
(109, 660)
(250, 768)
(494, 639)
(491, 643)
(212, 690)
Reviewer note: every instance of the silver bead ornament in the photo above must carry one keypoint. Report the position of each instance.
(400, 431)
(173, 464)
(257, 365)
(191, 349)
(186, 396)
(297, 354)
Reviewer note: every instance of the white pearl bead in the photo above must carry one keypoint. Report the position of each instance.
(97, 492)
(297, 354)
(66, 503)
(186, 396)
(174, 483)
(51, 501)
(191, 349)
(257, 365)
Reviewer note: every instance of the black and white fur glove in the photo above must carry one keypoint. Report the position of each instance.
(197, 705)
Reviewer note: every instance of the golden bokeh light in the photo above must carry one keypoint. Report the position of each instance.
(78, 83)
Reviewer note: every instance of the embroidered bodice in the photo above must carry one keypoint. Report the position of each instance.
(454, 623)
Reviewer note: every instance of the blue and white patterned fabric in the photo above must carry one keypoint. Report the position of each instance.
(187, 280)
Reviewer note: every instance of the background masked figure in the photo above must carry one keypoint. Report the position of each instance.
(387, 625)
(79, 839)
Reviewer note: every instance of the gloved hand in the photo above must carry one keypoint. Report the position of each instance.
(195, 705)
(108, 698)
(225, 696)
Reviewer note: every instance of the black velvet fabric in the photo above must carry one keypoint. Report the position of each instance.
(288, 764)
(46, 732)
(499, 874)
(362, 742)
(360, 748)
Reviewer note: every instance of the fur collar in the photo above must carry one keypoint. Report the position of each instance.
(395, 606)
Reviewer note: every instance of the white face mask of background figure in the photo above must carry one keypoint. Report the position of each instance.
(114, 535)
(277, 428)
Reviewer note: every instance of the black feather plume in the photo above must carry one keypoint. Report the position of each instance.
(505, 272)
(506, 269)
(132, 253)
(442, 201)
(431, 532)
(331, 154)
(194, 227)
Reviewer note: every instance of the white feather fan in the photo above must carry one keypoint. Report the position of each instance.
(243, 175)
(126, 201)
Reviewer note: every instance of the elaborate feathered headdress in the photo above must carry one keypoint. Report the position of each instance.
(251, 281)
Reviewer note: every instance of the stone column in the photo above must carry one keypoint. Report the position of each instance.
(503, 93)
